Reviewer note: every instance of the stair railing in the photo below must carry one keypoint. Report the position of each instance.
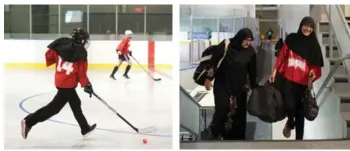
(339, 60)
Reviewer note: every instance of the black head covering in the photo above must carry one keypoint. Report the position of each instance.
(238, 54)
(306, 47)
(242, 34)
(69, 49)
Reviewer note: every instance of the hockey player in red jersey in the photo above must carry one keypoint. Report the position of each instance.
(124, 52)
(70, 57)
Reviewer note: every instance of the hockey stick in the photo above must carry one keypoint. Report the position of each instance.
(155, 79)
(144, 130)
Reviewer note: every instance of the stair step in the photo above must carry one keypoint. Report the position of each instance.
(334, 47)
(346, 103)
(341, 80)
(334, 55)
(327, 46)
(324, 27)
(342, 90)
(325, 40)
(345, 110)
(346, 117)
(327, 23)
(333, 63)
(340, 75)
(266, 7)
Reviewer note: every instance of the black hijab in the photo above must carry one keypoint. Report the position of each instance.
(237, 53)
(242, 34)
(306, 47)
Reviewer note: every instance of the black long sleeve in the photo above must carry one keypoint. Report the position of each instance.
(252, 71)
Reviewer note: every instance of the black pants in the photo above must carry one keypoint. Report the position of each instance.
(63, 96)
(124, 57)
(293, 94)
(238, 126)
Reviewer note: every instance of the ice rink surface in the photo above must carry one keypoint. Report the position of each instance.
(140, 100)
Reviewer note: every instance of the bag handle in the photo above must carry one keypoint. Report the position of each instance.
(227, 42)
(310, 87)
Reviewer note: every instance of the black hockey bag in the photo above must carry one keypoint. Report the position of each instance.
(203, 68)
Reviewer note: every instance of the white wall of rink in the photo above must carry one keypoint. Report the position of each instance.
(99, 52)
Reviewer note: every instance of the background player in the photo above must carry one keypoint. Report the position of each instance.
(124, 52)
(70, 57)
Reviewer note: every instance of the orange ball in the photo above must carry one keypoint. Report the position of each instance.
(144, 140)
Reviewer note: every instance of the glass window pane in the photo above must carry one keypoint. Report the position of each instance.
(67, 27)
(159, 9)
(44, 21)
(201, 25)
(128, 19)
(197, 25)
(6, 19)
(159, 19)
(131, 8)
(6, 8)
(185, 11)
(238, 24)
(40, 19)
(210, 23)
(226, 25)
(17, 22)
(134, 22)
(185, 24)
(102, 19)
(40, 9)
(160, 24)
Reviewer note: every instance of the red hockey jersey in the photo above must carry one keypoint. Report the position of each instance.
(295, 68)
(67, 74)
(123, 47)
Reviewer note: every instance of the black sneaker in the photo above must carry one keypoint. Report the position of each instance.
(87, 133)
(212, 136)
(24, 129)
(112, 77)
(126, 76)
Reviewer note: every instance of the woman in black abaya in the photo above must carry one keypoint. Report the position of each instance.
(230, 86)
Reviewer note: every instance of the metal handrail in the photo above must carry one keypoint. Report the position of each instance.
(343, 18)
(328, 9)
(348, 33)
(337, 61)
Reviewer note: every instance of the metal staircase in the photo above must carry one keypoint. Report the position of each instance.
(339, 46)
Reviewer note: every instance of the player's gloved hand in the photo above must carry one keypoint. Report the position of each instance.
(119, 53)
(88, 89)
(130, 53)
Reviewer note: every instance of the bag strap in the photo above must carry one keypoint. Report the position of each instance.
(227, 42)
